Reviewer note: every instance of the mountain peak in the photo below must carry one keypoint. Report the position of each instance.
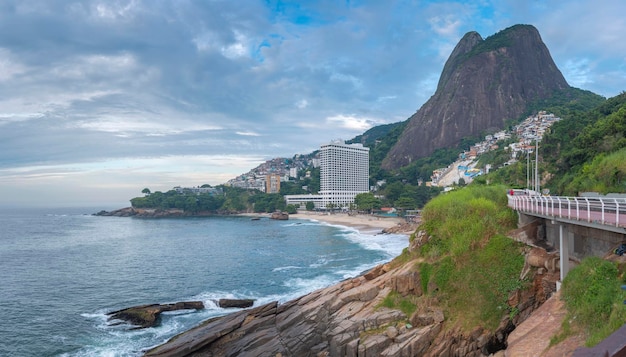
(483, 84)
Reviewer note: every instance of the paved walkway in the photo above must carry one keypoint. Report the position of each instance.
(532, 337)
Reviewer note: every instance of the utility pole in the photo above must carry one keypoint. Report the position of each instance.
(527, 168)
(537, 163)
(532, 175)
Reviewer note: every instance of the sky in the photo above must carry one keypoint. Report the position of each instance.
(100, 99)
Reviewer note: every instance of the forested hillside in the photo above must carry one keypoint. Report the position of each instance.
(587, 152)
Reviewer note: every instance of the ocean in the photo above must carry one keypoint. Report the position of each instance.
(63, 270)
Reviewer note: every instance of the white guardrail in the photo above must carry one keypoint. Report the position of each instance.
(601, 210)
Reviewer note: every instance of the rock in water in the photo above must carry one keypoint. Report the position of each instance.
(280, 215)
(148, 315)
(239, 303)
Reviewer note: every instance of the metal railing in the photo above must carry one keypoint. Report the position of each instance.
(600, 210)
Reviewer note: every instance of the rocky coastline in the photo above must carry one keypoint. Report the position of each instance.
(348, 319)
(151, 213)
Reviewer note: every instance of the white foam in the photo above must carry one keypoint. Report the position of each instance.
(371, 239)
(120, 340)
(391, 244)
(299, 223)
(321, 261)
(289, 267)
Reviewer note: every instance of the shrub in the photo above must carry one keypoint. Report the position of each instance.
(594, 299)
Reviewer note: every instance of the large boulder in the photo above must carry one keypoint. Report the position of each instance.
(283, 216)
(236, 303)
(148, 315)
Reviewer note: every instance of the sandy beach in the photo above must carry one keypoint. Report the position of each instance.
(363, 222)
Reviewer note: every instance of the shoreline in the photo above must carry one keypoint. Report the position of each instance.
(364, 223)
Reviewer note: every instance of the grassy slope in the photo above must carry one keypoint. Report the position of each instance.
(468, 261)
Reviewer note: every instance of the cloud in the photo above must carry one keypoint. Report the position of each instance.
(302, 103)
(447, 25)
(351, 122)
(9, 66)
(96, 82)
(114, 182)
(247, 133)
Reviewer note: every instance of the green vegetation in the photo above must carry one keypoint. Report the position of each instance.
(566, 102)
(398, 302)
(561, 150)
(225, 201)
(460, 220)
(594, 300)
(173, 200)
(604, 174)
(366, 202)
(370, 137)
(379, 149)
(267, 202)
(493, 42)
(467, 260)
(586, 141)
(312, 183)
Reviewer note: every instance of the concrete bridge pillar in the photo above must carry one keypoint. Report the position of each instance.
(564, 254)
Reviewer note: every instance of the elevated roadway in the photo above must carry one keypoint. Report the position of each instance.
(586, 225)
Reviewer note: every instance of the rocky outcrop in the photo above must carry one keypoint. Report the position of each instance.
(406, 227)
(150, 213)
(282, 216)
(235, 303)
(348, 319)
(123, 212)
(484, 83)
(148, 315)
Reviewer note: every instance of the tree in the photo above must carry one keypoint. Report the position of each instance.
(310, 206)
(191, 204)
(366, 201)
(394, 190)
(291, 209)
(146, 191)
(405, 202)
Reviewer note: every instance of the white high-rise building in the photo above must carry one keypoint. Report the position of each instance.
(344, 172)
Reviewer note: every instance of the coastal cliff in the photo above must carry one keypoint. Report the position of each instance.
(350, 319)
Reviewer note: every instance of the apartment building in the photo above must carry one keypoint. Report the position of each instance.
(272, 183)
(344, 172)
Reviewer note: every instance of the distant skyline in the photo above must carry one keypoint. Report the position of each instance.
(100, 99)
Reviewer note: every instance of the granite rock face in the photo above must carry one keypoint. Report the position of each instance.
(235, 303)
(345, 319)
(484, 83)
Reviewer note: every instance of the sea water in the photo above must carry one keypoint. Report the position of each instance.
(63, 270)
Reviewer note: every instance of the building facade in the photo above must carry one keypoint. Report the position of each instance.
(344, 173)
(272, 183)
